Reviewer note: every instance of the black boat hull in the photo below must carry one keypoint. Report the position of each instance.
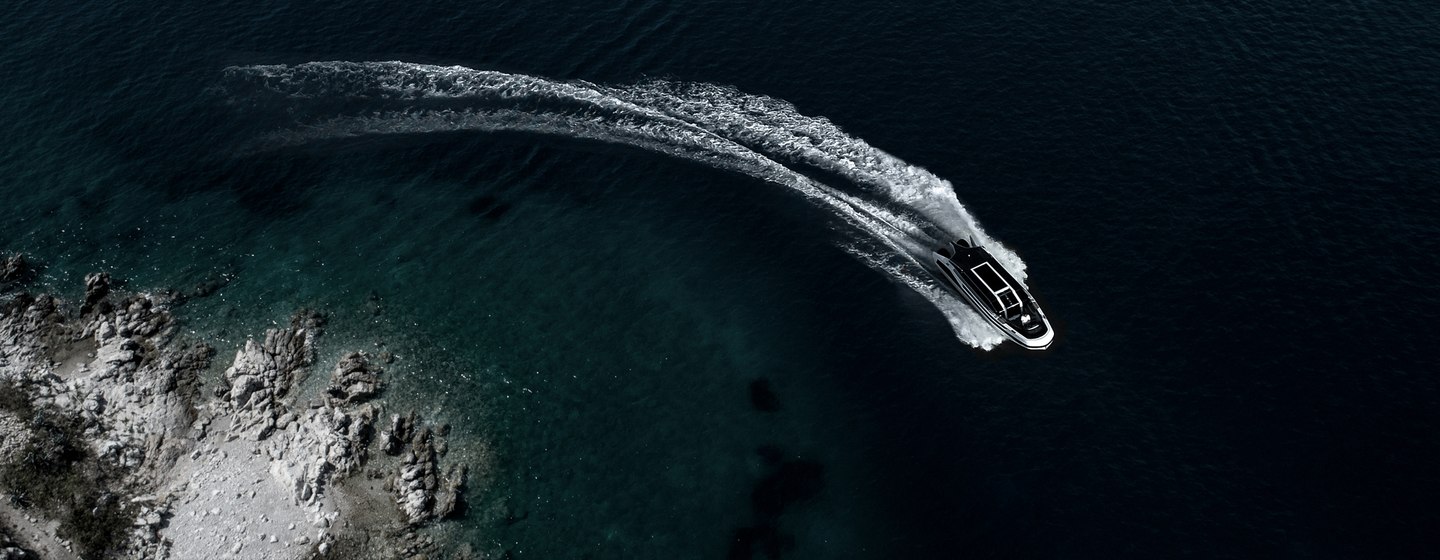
(974, 275)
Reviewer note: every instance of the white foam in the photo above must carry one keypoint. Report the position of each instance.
(893, 220)
(775, 128)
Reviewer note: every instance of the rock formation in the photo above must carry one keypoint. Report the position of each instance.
(102, 406)
(97, 286)
(354, 380)
(423, 491)
(263, 373)
(14, 270)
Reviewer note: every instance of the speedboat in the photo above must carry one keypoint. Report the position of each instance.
(978, 278)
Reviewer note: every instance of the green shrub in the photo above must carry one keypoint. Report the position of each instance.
(58, 475)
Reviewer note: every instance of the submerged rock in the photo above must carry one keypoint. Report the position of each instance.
(15, 270)
(770, 453)
(208, 287)
(763, 397)
(794, 481)
(762, 538)
(789, 482)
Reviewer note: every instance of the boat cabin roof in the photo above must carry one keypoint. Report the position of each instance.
(988, 275)
(1009, 303)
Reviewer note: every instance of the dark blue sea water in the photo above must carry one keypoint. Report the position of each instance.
(588, 230)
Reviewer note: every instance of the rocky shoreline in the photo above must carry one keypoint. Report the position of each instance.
(109, 447)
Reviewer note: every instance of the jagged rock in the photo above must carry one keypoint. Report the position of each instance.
(329, 436)
(109, 373)
(15, 270)
(398, 436)
(422, 492)
(262, 373)
(97, 286)
(354, 380)
(122, 352)
(116, 369)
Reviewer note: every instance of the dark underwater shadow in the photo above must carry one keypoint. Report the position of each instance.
(503, 168)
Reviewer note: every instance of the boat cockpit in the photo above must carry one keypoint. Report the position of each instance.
(1003, 299)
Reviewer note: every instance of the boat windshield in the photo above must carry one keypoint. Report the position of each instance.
(988, 275)
(1009, 307)
(1008, 299)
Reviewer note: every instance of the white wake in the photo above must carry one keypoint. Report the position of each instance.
(894, 213)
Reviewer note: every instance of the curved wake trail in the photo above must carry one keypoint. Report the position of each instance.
(774, 127)
(900, 214)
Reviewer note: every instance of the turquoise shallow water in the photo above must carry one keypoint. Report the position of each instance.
(1206, 198)
(591, 341)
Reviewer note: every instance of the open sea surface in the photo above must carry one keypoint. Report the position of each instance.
(601, 237)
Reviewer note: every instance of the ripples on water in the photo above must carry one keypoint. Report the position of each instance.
(1180, 177)
(896, 213)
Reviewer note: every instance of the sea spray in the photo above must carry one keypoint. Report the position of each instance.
(892, 213)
